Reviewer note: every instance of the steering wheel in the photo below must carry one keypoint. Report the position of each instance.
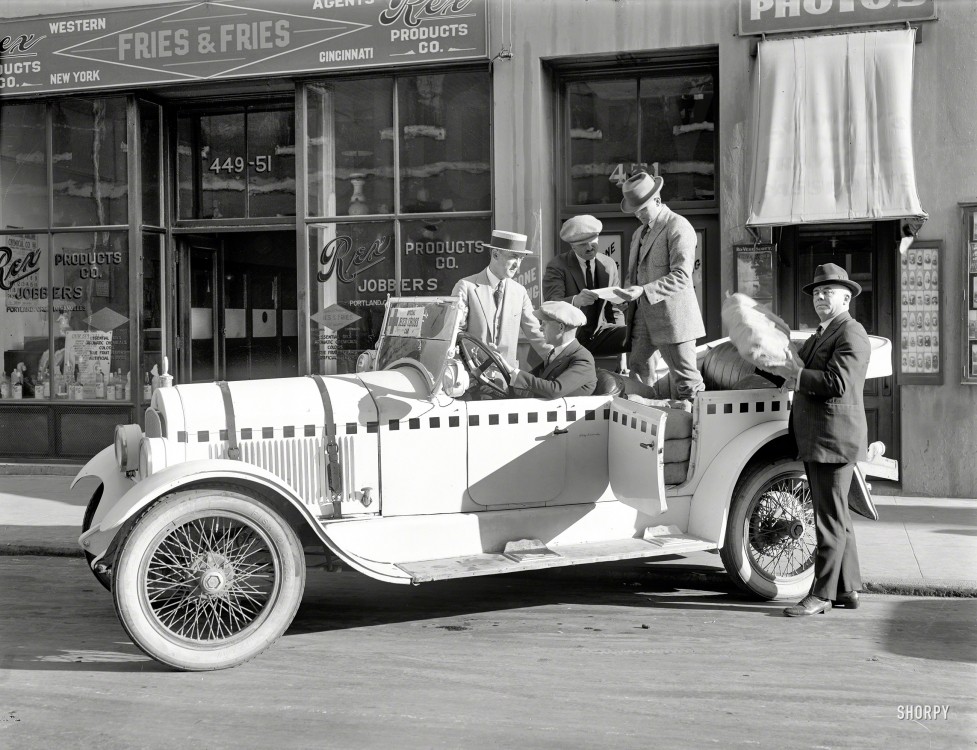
(478, 359)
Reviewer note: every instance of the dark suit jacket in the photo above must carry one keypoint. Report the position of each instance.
(564, 278)
(571, 373)
(827, 420)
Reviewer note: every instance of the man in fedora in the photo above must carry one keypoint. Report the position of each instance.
(494, 306)
(571, 275)
(569, 369)
(827, 422)
(659, 278)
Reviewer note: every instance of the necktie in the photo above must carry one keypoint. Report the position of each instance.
(497, 294)
(817, 333)
(633, 260)
(589, 279)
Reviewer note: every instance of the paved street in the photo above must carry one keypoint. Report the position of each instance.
(574, 658)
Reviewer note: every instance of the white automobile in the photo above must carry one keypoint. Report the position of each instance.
(200, 523)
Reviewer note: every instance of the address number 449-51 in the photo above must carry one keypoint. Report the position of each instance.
(237, 164)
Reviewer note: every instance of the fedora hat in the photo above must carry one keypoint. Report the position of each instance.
(639, 190)
(829, 273)
(509, 242)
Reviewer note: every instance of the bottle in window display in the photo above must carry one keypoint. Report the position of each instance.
(147, 388)
(4, 385)
(16, 383)
(99, 385)
(110, 387)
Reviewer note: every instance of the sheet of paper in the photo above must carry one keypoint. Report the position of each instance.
(607, 293)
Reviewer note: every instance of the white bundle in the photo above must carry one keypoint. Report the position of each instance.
(760, 337)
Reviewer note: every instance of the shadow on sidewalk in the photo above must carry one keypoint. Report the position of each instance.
(934, 629)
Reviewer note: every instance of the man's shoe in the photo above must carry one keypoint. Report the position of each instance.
(809, 605)
(848, 600)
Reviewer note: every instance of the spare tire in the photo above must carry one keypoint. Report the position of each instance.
(723, 368)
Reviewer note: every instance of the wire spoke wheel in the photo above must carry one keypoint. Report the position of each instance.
(770, 539)
(208, 578)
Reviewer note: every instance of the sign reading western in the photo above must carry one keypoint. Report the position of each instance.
(207, 41)
(772, 16)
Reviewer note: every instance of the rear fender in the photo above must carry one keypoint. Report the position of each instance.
(710, 503)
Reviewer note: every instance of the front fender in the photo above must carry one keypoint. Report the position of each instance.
(115, 483)
(710, 503)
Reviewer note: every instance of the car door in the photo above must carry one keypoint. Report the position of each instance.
(635, 450)
(516, 451)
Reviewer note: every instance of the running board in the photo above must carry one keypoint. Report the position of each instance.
(424, 571)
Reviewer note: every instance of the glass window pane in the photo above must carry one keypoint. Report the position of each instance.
(351, 148)
(24, 319)
(203, 361)
(23, 166)
(222, 158)
(438, 252)
(186, 179)
(603, 119)
(445, 142)
(90, 290)
(154, 287)
(352, 273)
(149, 132)
(270, 163)
(678, 131)
(91, 183)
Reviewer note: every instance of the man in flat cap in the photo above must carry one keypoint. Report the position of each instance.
(827, 422)
(571, 275)
(569, 369)
(661, 260)
(494, 306)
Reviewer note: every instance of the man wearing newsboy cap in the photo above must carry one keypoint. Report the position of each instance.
(571, 275)
(569, 369)
(827, 422)
(494, 306)
(660, 263)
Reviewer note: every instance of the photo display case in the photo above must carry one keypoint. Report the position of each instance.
(756, 273)
(920, 314)
(970, 292)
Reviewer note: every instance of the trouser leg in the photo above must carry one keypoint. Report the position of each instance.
(686, 379)
(836, 560)
(642, 350)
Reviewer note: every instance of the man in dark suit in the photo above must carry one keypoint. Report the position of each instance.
(827, 422)
(569, 369)
(571, 275)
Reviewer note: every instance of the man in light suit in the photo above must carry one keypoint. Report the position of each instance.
(494, 306)
(827, 421)
(660, 264)
(570, 369)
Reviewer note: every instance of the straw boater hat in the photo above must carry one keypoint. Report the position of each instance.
(583, 228)
(639, 190)
(830, 273)
(510, 242)
(561, 312)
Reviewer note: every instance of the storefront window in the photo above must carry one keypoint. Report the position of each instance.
(438, 252)
(236, 164)
(351, 148)
(154, 290)
(91, 183)
(24, 302)
(23, 166)
(90, 290)
(444, 142)
(149, 136)
(353, 271)
(664, 122)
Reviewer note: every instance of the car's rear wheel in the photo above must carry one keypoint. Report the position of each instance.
(770, 537)
(208, 579)
(86, 523)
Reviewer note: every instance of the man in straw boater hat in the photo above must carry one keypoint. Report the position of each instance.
(660, 263)
(827, 422)
(494, 306)
(569, 368)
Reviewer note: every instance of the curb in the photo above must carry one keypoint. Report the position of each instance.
(60, 470)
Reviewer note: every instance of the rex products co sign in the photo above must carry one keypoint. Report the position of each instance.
(772, 16)
(207, 41)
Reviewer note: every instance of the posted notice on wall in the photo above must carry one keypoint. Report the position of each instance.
(91, 351)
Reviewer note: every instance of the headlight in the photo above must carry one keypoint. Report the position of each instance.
(455, 380)
(152, 456)
(145, 458)
(364, 362)
(127, 438)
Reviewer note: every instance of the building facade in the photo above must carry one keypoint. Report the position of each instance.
(239, 187)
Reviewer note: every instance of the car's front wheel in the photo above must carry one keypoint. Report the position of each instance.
(770, 537)
(208, 579)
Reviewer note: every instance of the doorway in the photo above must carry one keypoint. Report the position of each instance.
(866, 252)
(237, 313)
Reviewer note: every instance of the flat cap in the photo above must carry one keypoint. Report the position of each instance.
(561, 312)
(580, 228)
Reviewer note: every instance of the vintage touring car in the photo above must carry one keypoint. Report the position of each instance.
(200, 523)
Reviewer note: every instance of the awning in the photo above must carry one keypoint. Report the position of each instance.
(833, 129)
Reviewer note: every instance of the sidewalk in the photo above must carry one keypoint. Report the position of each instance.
(919, 546)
